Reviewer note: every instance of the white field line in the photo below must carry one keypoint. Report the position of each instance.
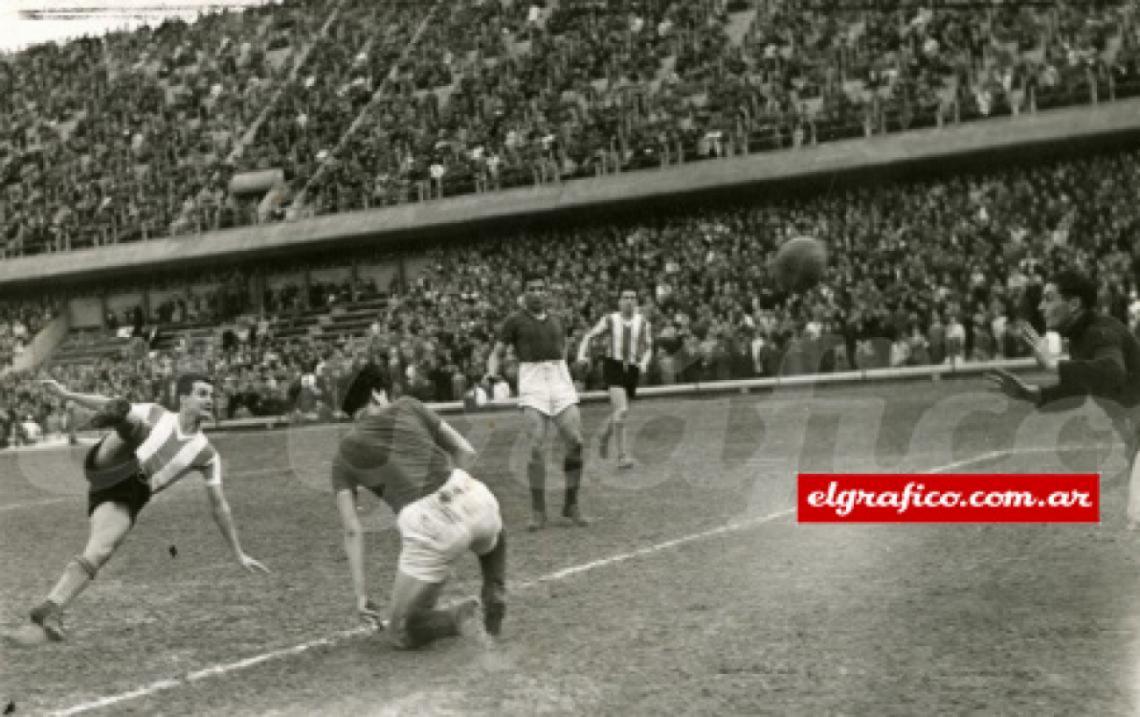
(76, 496)
(568, 572)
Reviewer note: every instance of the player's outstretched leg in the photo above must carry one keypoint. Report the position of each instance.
(493, 566)
(110, 523)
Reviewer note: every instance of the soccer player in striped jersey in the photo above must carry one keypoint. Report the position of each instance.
(628, 350)
(149, 449)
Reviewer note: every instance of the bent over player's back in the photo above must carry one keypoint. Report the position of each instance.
(395, 453)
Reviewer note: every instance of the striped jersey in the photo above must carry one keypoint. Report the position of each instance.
(168, 454)
(629, 339)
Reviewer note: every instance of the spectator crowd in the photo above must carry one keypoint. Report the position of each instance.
(302, 107)
(921, 272)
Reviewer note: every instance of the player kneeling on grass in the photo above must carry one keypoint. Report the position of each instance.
(149, 449)
(415, 462)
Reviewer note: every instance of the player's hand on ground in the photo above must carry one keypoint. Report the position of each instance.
(369, 612)
(1013, 386)
(1040, 348)
(251, 564)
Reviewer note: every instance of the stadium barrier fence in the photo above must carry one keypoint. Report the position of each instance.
(692, 390)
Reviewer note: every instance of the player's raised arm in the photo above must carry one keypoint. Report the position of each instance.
(223, 516)
(584, 347)
(92, 401)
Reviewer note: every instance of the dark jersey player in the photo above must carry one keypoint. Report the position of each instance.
(1104, 362)
(546, 395)
(414, 461)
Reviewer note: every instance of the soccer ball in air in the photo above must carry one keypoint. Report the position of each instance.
(799, 264)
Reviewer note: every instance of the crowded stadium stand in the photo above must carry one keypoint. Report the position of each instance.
(278, 113)
(287, 110)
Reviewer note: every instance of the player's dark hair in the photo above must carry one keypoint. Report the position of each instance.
(184, 386)
(369, 378)
(1071, 283)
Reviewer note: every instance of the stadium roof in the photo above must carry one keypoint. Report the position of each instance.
(30, 22)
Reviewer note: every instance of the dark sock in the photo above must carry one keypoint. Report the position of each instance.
(493, 566)
(431, 625)
(44, 609)
(573, 468)
(538, 500)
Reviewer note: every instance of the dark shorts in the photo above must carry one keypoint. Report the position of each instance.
(617, 374)
(122, 483)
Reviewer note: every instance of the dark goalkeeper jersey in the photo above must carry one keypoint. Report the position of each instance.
(534, 339)
(396, 454)
(1104, 362)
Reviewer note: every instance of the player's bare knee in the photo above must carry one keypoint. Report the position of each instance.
(88, 565)
(574, 445)
(102, 546)
(96, 556)
(620, 415)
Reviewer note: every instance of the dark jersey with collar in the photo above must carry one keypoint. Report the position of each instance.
(1104, 362)
(395, 453)
(535, 339)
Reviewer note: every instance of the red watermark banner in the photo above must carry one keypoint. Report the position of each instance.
(948, 498)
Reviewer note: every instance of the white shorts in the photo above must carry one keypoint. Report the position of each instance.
(437, 529)
(546, 386)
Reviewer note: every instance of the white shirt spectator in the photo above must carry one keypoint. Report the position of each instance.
(1053, 342)
(758, 345)
(502, 390)
(997, 327)
(955, 338)
(900, 352)
(32, 430)
(1134, 312)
